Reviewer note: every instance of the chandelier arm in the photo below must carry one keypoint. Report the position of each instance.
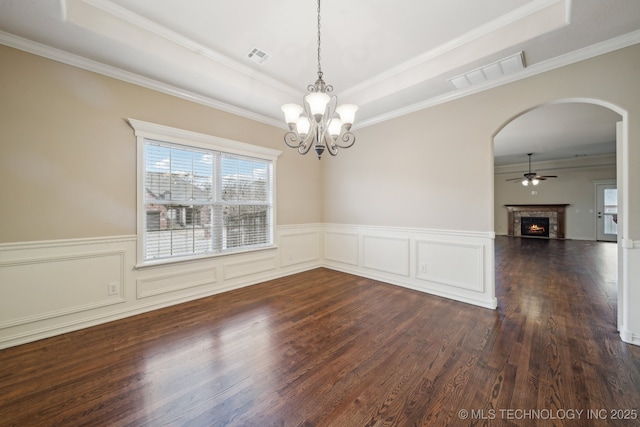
(332, 148)
(304, 148)
(330, 111)
(293, 140)
(310, 140)
(348, 138)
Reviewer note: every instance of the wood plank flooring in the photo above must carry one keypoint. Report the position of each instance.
(324, 348)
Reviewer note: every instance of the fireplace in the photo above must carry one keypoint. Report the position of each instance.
(553, 224)
(534, 226)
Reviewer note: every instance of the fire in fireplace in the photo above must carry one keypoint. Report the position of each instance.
(534, 226)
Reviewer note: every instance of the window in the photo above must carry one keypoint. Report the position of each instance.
(610, 211)
(200, 195)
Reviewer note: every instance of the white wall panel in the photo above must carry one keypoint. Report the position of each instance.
(629, 287)
(454, 264)
(53, 287)
(249, 265)
(175, 281)
(299, 248)
(341, 247)
(387, 254)
(41, 288)
(448, 263)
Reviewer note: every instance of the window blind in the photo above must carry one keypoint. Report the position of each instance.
(200, 201)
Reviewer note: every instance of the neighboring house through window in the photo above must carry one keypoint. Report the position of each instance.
(199, 195)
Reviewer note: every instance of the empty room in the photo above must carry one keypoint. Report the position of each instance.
(319, 213)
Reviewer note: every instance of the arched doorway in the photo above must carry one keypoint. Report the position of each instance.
(561, 115)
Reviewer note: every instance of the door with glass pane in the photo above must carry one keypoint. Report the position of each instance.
(607, 212)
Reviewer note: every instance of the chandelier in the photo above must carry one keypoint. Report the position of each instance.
(319, 122)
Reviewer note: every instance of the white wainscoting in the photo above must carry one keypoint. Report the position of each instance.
(49, 288)
(53, 287)
(452, 264)
(629, 292)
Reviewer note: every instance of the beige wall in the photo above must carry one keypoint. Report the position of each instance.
(68, 158)
(68, 167)
(574, 185)
(434, 167)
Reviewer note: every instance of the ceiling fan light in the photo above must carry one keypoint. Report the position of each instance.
(525, 182)
(535, 181)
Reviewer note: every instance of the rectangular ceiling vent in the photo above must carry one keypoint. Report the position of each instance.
(507, 65)
(257, 55)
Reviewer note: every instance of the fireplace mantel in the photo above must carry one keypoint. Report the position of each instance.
(555, 211)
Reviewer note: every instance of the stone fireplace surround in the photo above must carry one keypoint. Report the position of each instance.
(555, 213)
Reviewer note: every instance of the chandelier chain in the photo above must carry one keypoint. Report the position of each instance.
(319, 68)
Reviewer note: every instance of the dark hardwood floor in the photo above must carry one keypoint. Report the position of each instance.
(323, 348)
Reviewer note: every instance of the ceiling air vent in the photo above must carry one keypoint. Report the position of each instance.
(257, 55)
(507, 65)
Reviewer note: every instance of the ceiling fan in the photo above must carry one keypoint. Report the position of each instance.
(532, 177)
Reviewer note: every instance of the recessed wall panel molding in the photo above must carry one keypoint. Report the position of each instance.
(250, 265)
(175, 281)
(341, 247)
(41, 281)
(387, 254)
(453, 264)
(299, 247)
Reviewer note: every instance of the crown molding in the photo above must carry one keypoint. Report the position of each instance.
(461, 41)
(588, 52)
(163, 32)
(58, 55)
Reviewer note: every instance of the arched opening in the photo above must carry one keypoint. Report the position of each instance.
(582, 139)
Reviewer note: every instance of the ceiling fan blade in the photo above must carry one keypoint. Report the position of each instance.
(548, 176)
(514, 179)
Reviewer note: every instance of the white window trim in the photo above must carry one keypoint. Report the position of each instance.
(145, 130)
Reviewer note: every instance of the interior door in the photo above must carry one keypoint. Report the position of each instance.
(607, 212)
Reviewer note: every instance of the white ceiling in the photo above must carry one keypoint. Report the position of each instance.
(557, 131)
(390, 57)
